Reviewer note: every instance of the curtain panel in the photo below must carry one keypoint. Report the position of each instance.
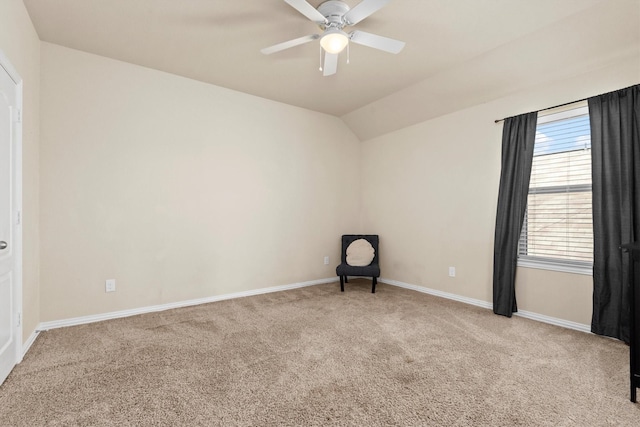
(615, 144)
(518, 138)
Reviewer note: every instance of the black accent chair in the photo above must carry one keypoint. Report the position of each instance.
(372, 270)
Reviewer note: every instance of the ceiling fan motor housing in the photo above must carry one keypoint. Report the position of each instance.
(333, 11)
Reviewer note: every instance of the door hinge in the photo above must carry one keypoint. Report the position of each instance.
(17, 115)
(18, 217)
(19, 320)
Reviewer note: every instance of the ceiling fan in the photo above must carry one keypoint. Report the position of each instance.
(332, 16)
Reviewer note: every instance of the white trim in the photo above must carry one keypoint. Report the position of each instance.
(13, 73)
(17, 194)
(17, 237)
(566, 112)
(563, 267)
(484, 304)
(437, 293)
(44, 326)
(553, 321)
(27, 345)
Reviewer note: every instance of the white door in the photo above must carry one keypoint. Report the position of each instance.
(9, 248)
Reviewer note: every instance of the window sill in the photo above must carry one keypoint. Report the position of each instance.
(586, 269)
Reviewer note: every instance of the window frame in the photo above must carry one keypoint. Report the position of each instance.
(553, 264)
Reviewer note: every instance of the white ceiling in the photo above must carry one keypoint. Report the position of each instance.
(458, 52)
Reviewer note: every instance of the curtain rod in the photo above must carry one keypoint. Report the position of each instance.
(548, 108)
(568, 103)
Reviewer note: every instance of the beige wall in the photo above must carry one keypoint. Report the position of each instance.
(430, 191)
(20, 43)
(181, 190)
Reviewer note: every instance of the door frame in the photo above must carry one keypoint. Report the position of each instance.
(17, 194)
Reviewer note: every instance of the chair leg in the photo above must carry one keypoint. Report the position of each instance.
(341, 283)
(346, 279)
(373, 285)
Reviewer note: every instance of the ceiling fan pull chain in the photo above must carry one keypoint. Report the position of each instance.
(320, 57)
(348, 52)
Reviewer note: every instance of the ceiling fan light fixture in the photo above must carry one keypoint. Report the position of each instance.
(334, 40)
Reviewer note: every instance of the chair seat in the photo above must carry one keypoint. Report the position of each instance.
(372, 270)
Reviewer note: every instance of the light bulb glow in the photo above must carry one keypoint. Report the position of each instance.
(334, 40)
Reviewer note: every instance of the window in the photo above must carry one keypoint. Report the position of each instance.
(557, 232)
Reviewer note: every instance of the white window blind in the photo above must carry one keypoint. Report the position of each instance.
(558, 228)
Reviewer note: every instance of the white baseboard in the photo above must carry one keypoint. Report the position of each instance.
(437, 293)
(27, 344)
(554, 321)
(484, 304)
(44, 326)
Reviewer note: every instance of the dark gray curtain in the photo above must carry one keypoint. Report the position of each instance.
(518, 137)
(615, 145)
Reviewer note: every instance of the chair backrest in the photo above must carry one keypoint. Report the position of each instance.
(347, 239)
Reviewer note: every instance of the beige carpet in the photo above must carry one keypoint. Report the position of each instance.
(315, 356)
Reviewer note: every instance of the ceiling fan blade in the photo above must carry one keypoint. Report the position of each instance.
(376, 42)
(362, 10)
(307, 10)
(290, 43)
(330, 64)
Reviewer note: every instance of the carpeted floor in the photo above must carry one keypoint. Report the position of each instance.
(315, 356)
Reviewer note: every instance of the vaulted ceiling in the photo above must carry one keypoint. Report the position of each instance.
(458, 52)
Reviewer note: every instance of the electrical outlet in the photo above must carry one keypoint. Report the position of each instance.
(326, 260)
(110, 285)
(452, 272)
